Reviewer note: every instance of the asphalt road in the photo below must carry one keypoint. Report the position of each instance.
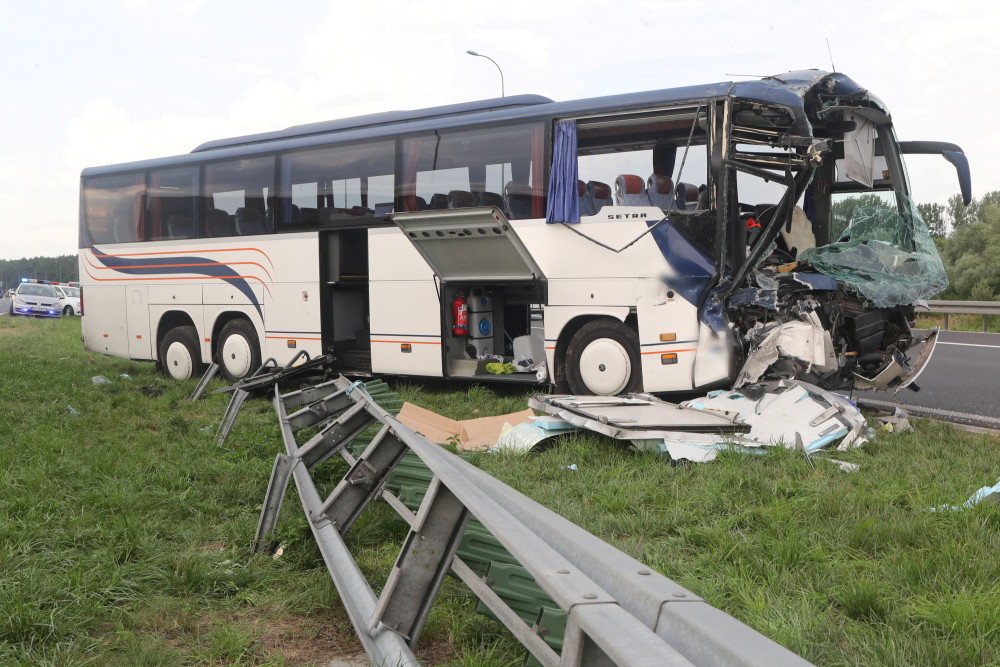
(961, 382)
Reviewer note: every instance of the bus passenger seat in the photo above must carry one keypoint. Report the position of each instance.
(660, 191)
(180, 227)
(585, 205)
(687, 195)
(597, 196)
(219, 223)
(249, 221)
(517, 197)
(438, 201)
(490, 199)
(461, 199)
(630, 191)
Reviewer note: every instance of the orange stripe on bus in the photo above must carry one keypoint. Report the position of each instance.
(114, 280)
(175, 252)
(291, 338)
(173, 266)
(668, 351)
(411, 342)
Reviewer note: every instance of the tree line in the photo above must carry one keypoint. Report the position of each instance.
(968, 238)
(64, 269)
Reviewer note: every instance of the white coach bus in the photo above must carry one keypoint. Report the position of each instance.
(661, 236)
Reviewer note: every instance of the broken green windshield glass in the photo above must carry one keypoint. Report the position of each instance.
(885, 255)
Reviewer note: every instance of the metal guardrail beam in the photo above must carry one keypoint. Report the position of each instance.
(983, 308)
(618, 611)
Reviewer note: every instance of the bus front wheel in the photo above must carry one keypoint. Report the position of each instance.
(603, 359)
(180, 357)
(238, 353)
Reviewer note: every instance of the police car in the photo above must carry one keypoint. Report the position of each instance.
(36, 299)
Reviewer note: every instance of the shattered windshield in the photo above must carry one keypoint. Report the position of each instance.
(885, 255)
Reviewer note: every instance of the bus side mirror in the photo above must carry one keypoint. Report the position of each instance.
(951, 153)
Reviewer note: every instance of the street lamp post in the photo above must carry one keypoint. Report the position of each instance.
(480, 55)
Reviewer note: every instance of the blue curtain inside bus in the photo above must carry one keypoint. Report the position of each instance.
(564, 199)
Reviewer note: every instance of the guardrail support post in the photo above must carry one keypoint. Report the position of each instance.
(422, 563)
(273, 499)
(364, 482)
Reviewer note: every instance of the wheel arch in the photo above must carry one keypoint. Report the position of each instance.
(225, 318)
(573, 325)
(170, 320)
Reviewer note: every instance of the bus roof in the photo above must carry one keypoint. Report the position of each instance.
(788, 89)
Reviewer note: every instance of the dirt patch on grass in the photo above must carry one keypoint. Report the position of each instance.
(301, 641)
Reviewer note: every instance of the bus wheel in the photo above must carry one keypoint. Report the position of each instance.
(603, 359)
(179, 354)
(239, 352)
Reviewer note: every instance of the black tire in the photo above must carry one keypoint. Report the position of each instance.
(12, 313)
(180, 355)
(238, 350)
(603, 358)
(67, 311)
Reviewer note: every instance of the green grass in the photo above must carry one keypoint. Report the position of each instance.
(125, 532)
(960, 322)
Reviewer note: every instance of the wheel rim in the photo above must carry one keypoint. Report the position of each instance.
(179, 363)
(605, 367)
(237, 356)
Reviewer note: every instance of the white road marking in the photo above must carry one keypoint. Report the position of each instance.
(942, 342)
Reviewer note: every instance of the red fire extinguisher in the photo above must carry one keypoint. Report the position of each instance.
(460, 315)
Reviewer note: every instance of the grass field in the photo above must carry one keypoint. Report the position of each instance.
(959, 322)
(125, 532)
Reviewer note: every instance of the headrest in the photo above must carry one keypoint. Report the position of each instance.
(598, 190)
(660, 184)
(628, 184)
(687, 192)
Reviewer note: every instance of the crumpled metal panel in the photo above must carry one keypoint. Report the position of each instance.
(886, 256)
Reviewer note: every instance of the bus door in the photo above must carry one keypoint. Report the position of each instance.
(344, 297)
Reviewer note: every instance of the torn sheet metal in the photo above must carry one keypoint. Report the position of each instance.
(806, 340)
(633, 416)
(904, 369)
(817, 416)
(692, 449)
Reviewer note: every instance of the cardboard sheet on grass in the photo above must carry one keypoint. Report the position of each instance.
(466, 435)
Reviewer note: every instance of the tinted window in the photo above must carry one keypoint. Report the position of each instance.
(499, 166)
(171, 206)
(337, 184)
(238, 197)
(112, 208)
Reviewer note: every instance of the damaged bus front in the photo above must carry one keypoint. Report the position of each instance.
(820, 283)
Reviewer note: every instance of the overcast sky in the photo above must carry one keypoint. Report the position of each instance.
(110, 81)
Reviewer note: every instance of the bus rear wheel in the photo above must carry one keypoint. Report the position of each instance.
(180, 357)
(238, 353)
(603, 359)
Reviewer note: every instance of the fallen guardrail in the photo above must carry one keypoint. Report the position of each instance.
(617, 610)
(984, 308)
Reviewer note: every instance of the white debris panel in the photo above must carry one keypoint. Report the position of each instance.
(795, 414)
